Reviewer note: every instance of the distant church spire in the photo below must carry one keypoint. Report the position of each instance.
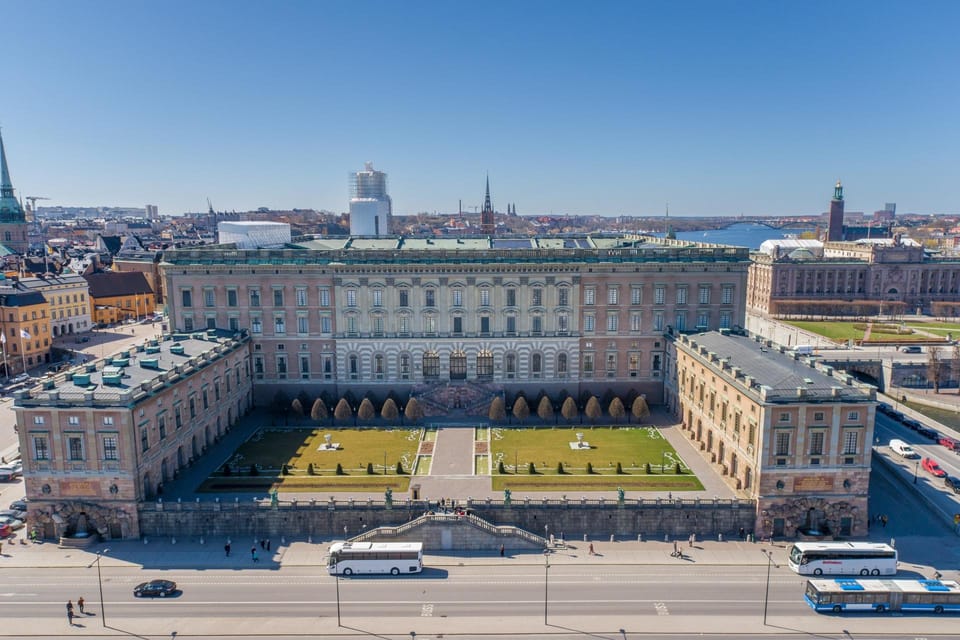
(487, 225)
(10, 209)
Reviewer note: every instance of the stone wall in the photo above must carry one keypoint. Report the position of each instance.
(567, 518)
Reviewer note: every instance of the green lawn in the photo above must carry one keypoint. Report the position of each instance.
(946, 418)
(838, 331)
(881, 332)
(937, 328)
(632, 447)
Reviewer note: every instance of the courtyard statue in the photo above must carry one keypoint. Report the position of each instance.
(620, 495)
(388, 497)
(506, 497)
(274, 499)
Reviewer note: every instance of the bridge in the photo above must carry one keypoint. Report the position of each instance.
(773, 223)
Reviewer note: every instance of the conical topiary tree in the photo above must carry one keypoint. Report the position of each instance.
(319, 411)
(593, 410)
(366, 410)
(616, 409)
(498, 411)
(521, 410)
(545, 409)
(640, 410)
(389, 410)
(569, 409)
(413, 411)
(343, 410)
(296, 408)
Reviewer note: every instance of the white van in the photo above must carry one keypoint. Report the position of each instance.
(901, 447)
(803, 349)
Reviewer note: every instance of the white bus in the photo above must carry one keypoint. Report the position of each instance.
(349, 558)
(843, 558)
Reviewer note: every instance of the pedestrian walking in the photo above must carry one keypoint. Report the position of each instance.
(693, 538)
(501, 551)
(226, 548)
(883, 520)
(268, 543)
(80, 603)
(743, 533)
(256, 557)
(1, 548)
(70, 612)
(253, 553)
(263, 543)
(591, 549)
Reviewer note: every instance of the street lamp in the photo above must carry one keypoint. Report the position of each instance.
(546, 582)
(384, 463)
(337, 576)
(766, 595)
(916, 470)
(103, 612)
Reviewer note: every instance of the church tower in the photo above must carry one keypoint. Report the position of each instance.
(13, 222)
(835, 230)
(487, 225)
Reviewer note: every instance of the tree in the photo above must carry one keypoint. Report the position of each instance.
(369, 468)
(560, 471)
(593, 410)
(296, 408)
(343, 410)
(339, 470)
(640, 410)
(521, 410)
(319, 411)
(497, 411)
(310, 470)
(569, 409)
(389, 410)
(281, 404)
(413, 411)
(531, 469)
(366, 410)
(616, 409)
(934, 368)
(545, 409)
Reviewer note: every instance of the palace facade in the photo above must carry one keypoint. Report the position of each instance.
(574, 314)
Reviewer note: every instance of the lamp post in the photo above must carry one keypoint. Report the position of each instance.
(337, 576)
(546, 583)
(916, 470)
(766, 594)
(384, 463)
(103, 611)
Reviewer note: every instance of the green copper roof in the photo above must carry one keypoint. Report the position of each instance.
(10, 209)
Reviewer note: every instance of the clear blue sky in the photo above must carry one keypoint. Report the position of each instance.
(718, 108)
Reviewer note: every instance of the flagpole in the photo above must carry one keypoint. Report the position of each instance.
(23, 353)
(3, 344)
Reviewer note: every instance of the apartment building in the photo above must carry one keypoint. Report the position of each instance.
(24, 329)
(67, 297)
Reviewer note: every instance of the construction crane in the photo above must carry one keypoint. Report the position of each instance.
(33, 206)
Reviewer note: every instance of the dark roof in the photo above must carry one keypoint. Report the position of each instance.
(10, 297)
(117, 283)
(112, 243)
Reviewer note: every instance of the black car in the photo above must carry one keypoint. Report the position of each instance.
(911, 424)
(952, 483)
(927, 432)
(884, 408)
(19, 505)
(155, 588)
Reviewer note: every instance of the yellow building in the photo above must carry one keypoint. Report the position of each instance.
(24, 329)
(115, 297)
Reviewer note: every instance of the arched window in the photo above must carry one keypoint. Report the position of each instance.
(404, 366)
(511, 365)
(431, 365)
(485, 365)
(562, 365)
(378, 368)
(354, 367)
(536, 365)
(458, 365)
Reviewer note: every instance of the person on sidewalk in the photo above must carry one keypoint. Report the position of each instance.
(501, 551)
(268, 544)
(80, 603)
(226, 548)
(591, 549)
(70, 612)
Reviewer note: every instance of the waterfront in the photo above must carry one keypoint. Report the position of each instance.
(750, 235)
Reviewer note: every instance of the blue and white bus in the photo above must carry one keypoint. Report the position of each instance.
(843, 558)
(849, 594)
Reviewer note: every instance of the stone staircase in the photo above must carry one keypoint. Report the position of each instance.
(447, 531)
(456, 397)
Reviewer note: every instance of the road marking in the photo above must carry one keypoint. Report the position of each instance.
(426, 611)
(11, 595)
(661, 608)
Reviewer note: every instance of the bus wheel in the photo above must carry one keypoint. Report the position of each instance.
(938, 609)
(818, 572)
(394, 571)
(864, 572)
(348, 571)
(881, 608)
(837, 608)
(875, 572)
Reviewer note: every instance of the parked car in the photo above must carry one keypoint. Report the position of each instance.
(952, 483)
(910, 423)
(8, 474)
(13, 523)
(950, 443)
(884, 408)
(19, 505)
(13, 513)
(82, 339)
(17, 379)
(911, 349)
(155, 588)
(927, 432)
(933, 468)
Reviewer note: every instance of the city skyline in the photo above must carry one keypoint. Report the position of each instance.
(718, 109)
